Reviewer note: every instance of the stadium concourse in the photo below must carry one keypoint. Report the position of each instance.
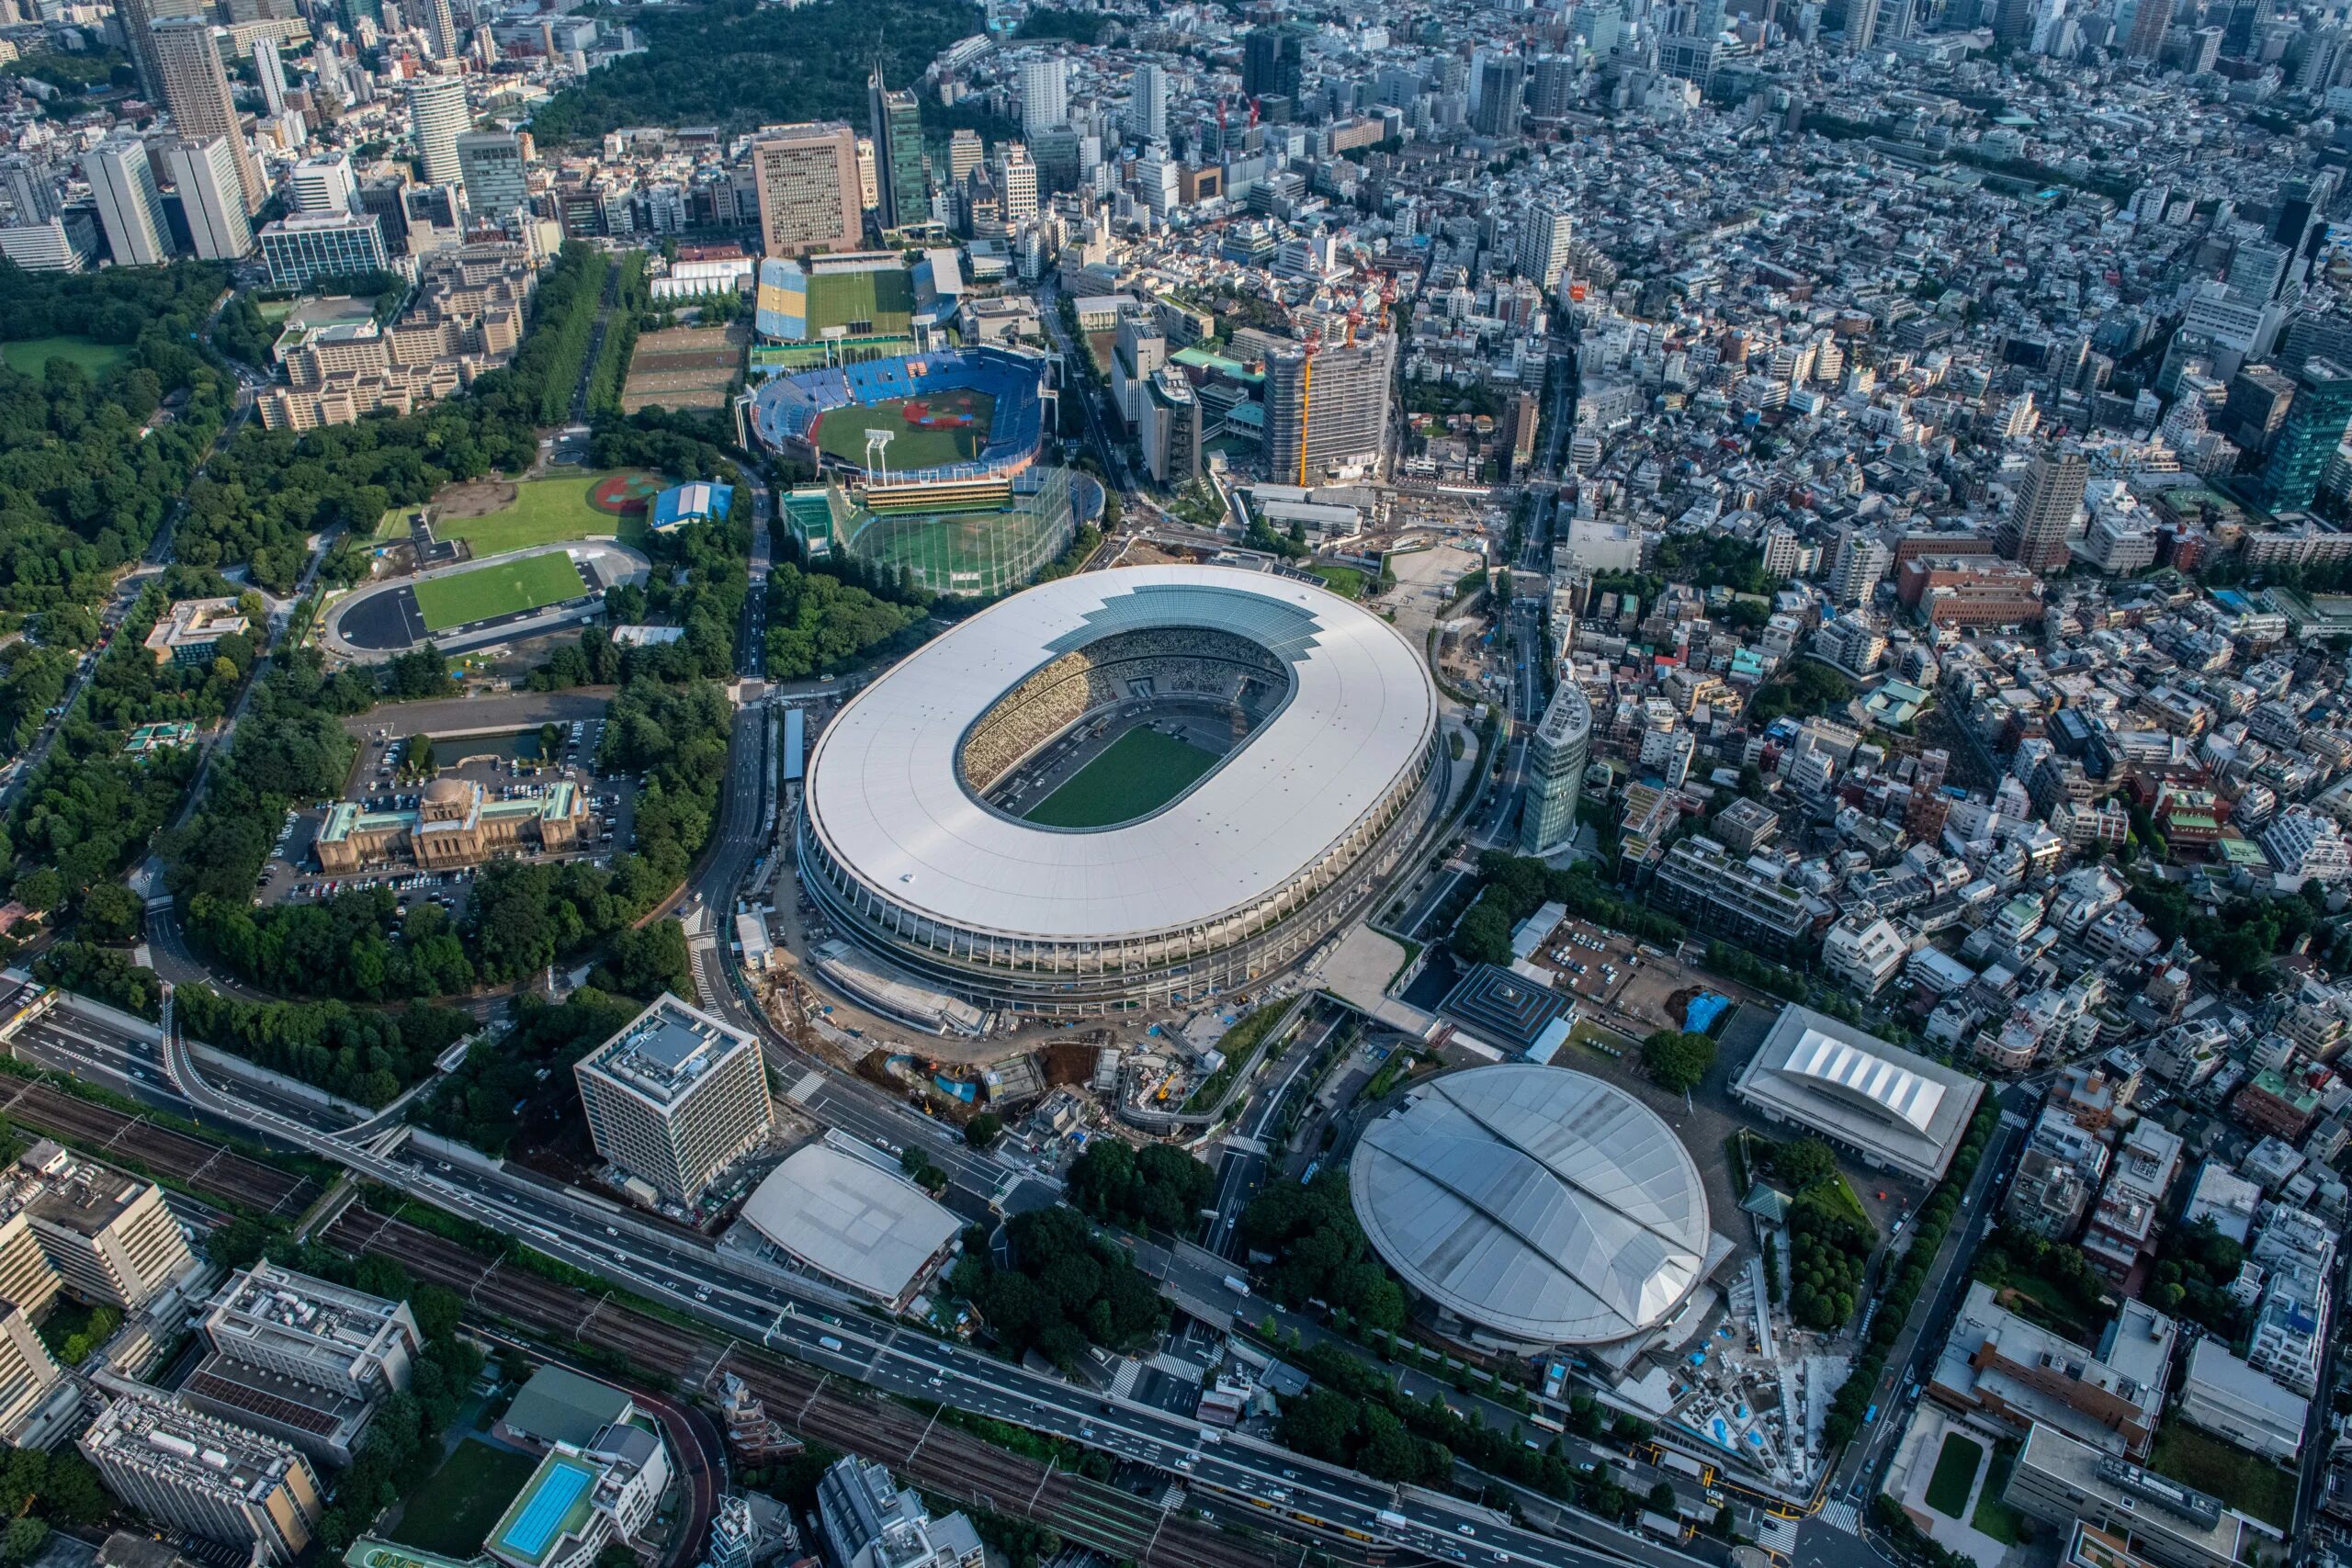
(789, 412)
(479, 604)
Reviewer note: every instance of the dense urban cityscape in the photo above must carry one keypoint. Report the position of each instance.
(1052, 785)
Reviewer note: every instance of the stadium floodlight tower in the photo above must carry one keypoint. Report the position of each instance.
(878, 456)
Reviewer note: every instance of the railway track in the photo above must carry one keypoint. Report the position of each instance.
(945, 1460)
(210, 1169)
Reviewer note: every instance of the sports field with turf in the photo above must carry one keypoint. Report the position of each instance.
(27, 357)
(1135, 774)
(495, 516)
(923, 432)
(502, 590)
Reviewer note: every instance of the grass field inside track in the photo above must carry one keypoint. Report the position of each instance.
(451, 1514)
(543, 511)
(486, 592)
(1138, 773)
(842, 432)
(28, 357)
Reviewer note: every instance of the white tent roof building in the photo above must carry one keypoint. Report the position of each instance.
(1540, 1206)
(1898, 1111)
(867, 1229)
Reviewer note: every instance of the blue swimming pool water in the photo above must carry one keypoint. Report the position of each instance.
(536, 1525)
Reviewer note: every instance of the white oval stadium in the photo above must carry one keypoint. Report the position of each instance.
(1121, 788)
(1536, 1205)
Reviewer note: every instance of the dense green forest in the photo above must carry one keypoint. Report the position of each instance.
(737, 63)
(89, 467)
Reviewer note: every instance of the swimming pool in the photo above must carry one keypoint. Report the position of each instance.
(544, 1513)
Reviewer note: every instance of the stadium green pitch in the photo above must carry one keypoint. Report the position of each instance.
(1135, 775)
(842, 432)
(469, 596)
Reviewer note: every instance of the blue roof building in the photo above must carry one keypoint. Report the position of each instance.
(700, 501)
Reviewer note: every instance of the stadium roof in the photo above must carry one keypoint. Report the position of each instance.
(1903, 1113)
(851, 1220)
(1542, 1204)
(886, 794)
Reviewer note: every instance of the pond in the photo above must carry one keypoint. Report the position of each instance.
(522, 745)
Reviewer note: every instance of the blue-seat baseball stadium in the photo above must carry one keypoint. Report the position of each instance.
(787, 410)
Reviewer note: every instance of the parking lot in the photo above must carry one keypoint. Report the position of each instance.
(507, 767)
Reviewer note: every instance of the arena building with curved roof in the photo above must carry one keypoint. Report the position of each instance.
(1535, 1206)
(1123, 788)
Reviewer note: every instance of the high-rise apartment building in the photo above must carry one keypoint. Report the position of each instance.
(2315, 429)
(1544, 246)
(1327, 409)
(1861, 563)
(807, 185)
(206, 175)
(437, 116)
(675, 1098)
(2148, 25)
(1044, 95)
(2035, 530)
(195, 89)
(31, 186)
(1148, 105)
(322, 182)
(109, 1235)
(1503, 95)
(209, 1477)
(901, 176)
(440, 30)
(37, 1404)
(131, 209)
(269, 71)
(138, 19)
(494, 166)
(1555, 765)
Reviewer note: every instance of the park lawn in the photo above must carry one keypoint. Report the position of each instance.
(2239, 1478)
(1955, 1471)
(1138, 773)
(28, 356)
(544, 512)
(842, 433)
(1994, 1516)
(452, 1513)
(1344, 580)
(477, 595)
(1837, 1195)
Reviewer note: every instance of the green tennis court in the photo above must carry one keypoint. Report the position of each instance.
(502, 590)
(1135, 774)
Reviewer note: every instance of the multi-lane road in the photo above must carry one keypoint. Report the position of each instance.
(815, 1324)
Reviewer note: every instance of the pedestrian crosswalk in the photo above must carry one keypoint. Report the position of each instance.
(1774, 1533)
(1842, 1515)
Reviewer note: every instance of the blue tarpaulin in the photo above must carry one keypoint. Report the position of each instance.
(1705, 1008)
